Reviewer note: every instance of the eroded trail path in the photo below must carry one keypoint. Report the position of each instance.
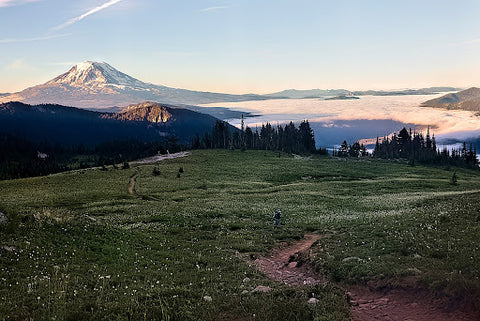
(285, 263)
(402, 305)
(288, 264)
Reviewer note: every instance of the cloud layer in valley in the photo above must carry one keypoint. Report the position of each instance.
(331, 113)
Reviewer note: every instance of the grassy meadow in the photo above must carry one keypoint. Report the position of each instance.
(79, 246)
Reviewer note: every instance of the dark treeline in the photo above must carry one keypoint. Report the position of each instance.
(354, 150)
(20, 157)
(417, 147)
(287, 138)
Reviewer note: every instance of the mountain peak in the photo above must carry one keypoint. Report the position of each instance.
(96, 85)
(93, 74)
(145, 104)
(148, 111)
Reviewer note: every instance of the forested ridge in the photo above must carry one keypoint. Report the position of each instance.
(287, 138)
(20, 157)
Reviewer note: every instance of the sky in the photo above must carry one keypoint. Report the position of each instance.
(246, 46)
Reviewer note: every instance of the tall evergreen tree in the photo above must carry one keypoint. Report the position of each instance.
(307, 139)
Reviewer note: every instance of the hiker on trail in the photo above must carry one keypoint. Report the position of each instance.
(277, 217)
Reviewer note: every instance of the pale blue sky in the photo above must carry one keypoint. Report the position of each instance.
(242, 46)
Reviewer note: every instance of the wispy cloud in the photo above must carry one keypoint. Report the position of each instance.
(86, 14)
(213, 8)
(16, 65)
(8, 3)
(12, 40)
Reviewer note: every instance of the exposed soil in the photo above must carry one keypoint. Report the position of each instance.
(402, 304)
(289, 264)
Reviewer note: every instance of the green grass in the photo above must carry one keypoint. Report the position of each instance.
(86, 249)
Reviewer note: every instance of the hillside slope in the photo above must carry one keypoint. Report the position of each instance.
(68, 125)
(468, 99)
(183, 246)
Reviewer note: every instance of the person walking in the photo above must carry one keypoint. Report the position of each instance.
(277, 217)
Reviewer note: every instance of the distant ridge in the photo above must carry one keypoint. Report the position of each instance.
(308, 93)
(321, 93)
(69, 125)
(468, 99)
(98, 85)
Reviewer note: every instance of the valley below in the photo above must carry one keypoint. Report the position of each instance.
(365, 118)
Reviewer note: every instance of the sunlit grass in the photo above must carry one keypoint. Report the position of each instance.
(86, 249)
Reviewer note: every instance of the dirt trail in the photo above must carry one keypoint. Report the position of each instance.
(131, 184)
(158, 158)
(149, 160)
(402, 304)
(286, 263)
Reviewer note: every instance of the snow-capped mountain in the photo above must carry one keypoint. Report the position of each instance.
(98, 85)
(97, 75)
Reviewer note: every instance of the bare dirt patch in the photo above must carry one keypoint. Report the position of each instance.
(286, 264)
(402, 304)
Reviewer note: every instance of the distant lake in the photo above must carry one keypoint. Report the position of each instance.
(368, 117)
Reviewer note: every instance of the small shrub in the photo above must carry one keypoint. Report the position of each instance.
(180, 170)
(234, 227)
(125, 165)
(156, 171)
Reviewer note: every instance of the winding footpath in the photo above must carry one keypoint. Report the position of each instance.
(150, 160)
(285, 264)
(131, 184)
(289, 265)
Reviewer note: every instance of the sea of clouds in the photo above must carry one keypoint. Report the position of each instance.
(364, 118)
